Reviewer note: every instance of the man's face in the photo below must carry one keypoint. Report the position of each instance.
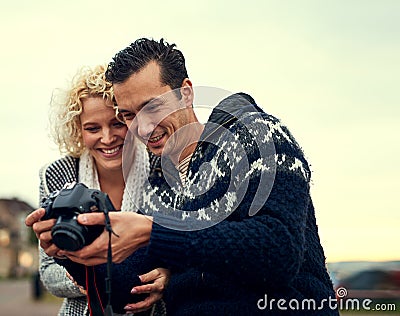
(152, 110)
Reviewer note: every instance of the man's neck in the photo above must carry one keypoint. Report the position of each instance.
(191, 143)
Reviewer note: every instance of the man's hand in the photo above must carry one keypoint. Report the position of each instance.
(133, 230)
(42, 230)
(157, 281)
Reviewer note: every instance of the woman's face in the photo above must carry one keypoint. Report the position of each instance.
(103, 135)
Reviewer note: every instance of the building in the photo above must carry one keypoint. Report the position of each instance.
(18, 250)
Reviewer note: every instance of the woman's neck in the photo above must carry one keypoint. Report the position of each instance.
(112, 182)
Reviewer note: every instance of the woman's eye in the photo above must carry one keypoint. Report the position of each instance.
(91, 129)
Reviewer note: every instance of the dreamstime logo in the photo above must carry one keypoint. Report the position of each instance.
(341, 302)
(236, 149)
(341, 292)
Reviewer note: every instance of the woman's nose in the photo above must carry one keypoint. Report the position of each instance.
(108, 137)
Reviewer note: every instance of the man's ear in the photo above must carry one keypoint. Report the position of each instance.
(187, 92)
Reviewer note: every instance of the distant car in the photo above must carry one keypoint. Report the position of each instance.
(371, 284)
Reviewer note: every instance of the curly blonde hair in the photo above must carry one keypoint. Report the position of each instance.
(65, 109)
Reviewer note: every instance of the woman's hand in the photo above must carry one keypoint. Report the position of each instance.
(42, 230)
(81, 288)
(157, 281)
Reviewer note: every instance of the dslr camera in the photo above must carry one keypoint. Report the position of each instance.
(65, 205)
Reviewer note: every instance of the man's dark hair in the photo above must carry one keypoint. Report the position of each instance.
(138, 54)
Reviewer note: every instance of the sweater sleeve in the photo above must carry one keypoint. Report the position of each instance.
(266, 248)
(54, 276)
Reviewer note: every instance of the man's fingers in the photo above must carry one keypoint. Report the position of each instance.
(85, 255)
(92, 261)
(96, 218)
(34, 217)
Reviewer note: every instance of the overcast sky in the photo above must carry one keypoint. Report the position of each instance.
(328, 69)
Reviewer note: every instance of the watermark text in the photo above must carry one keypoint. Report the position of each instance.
(338, 303)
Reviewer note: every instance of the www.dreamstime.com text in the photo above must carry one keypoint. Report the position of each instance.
(338, 303)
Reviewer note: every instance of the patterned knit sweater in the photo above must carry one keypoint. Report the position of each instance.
(242, 228)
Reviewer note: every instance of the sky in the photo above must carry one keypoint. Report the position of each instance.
(329, 70)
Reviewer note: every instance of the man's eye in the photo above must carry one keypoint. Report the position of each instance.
(119, 124)
(128, 116)
(125, 116)
(151, 107)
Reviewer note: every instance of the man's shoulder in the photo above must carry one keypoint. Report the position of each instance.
(238, 111)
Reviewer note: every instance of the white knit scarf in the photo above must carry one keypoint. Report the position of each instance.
(136, 173)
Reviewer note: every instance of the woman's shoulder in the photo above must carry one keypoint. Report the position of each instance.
(59, 172)
(60, 165)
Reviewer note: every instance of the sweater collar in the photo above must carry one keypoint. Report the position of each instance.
(228, 111)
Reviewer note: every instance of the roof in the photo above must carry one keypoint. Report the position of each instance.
(10, 209)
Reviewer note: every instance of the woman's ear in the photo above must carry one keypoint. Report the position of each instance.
(187, 92)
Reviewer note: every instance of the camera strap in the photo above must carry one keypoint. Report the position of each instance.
(108, 311)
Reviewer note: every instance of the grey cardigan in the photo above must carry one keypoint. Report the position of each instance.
(53, 276)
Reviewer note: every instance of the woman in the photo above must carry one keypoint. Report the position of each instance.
(84, 126)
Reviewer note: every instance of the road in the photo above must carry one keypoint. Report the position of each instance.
(16, 299)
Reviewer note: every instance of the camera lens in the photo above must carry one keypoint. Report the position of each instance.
(68, 235)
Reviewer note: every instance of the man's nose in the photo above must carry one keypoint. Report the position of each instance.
(145, 126)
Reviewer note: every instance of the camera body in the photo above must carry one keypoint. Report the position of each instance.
(65, 205)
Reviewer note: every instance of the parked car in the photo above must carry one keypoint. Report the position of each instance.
(372, 284)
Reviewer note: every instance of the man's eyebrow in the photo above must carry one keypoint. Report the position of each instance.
(143, 104)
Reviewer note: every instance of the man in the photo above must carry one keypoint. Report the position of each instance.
(231, 214)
